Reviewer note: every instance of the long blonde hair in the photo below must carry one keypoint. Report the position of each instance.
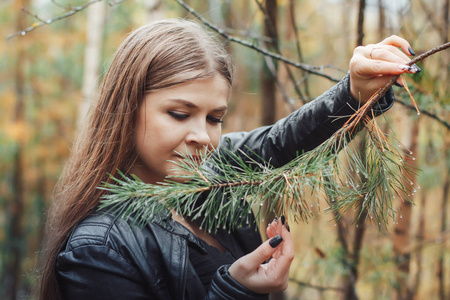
(155, 56)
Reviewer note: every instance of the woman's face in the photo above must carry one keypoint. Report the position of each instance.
(185, 118)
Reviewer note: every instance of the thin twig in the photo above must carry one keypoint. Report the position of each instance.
(302, 66)
(375, 97)
(425, 112)
(50, 21)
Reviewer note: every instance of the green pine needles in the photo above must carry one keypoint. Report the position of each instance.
(224, 192)
(229, 186)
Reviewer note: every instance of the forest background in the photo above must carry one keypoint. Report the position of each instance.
(50, 67)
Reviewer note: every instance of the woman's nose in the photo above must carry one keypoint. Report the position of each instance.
(198, 134)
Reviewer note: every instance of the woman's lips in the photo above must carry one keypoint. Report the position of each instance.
(194, 158)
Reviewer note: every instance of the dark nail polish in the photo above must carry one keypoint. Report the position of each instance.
(275, 241)
(411, 51)
(417, 68)
(283, 219)
(288, 228)
(398, 84)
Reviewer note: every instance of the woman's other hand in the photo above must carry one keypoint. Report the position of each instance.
(372, 66)
(251, 270)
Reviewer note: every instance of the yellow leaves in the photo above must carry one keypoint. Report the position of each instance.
(17, 132)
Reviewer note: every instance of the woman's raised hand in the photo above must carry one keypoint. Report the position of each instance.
(372, 66)
(251, 270)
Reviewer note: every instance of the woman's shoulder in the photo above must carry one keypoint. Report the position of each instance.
(105, 229)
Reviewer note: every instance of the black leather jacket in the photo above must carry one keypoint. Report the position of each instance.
(106, 258)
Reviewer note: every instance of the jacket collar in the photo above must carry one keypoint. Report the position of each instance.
(173, 227)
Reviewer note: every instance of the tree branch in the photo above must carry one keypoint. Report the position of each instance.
(425, 112)
(302, 66)
(41, 22)
(374, 99)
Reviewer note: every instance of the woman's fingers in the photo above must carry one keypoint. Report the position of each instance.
(372, 66)
(397, 41)
(260, 277)
(368, 68)
(263, 252)
(385, 53)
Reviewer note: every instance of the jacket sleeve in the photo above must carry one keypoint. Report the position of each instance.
(304, 129)
(224, 287)
(82, 276)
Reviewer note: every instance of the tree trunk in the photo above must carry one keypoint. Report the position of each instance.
(420, 236)
(15, 207)
(353, 256)
(402, 234)
(381, 20)
(360, 29)
(92, 57)
(444, 227)
(268, 81)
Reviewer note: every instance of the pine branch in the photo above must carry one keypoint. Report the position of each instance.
(227, 187)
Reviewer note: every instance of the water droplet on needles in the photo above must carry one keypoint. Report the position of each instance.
(261, 204)
(23, 33)
(217, 216)
(418, 113)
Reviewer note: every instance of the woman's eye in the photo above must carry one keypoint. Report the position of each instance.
(178, 116)
(214, 120)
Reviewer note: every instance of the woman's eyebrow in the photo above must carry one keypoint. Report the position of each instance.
(189, 104)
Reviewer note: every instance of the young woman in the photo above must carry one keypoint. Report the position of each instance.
(167, 91)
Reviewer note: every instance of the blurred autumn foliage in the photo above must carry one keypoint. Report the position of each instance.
(47, 81)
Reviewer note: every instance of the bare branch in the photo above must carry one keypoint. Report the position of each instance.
(424, 55)
(50, 21)
(425, 112)
(302, 66)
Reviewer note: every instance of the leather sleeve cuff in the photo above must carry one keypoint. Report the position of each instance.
(383, 105)
(223, 286)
